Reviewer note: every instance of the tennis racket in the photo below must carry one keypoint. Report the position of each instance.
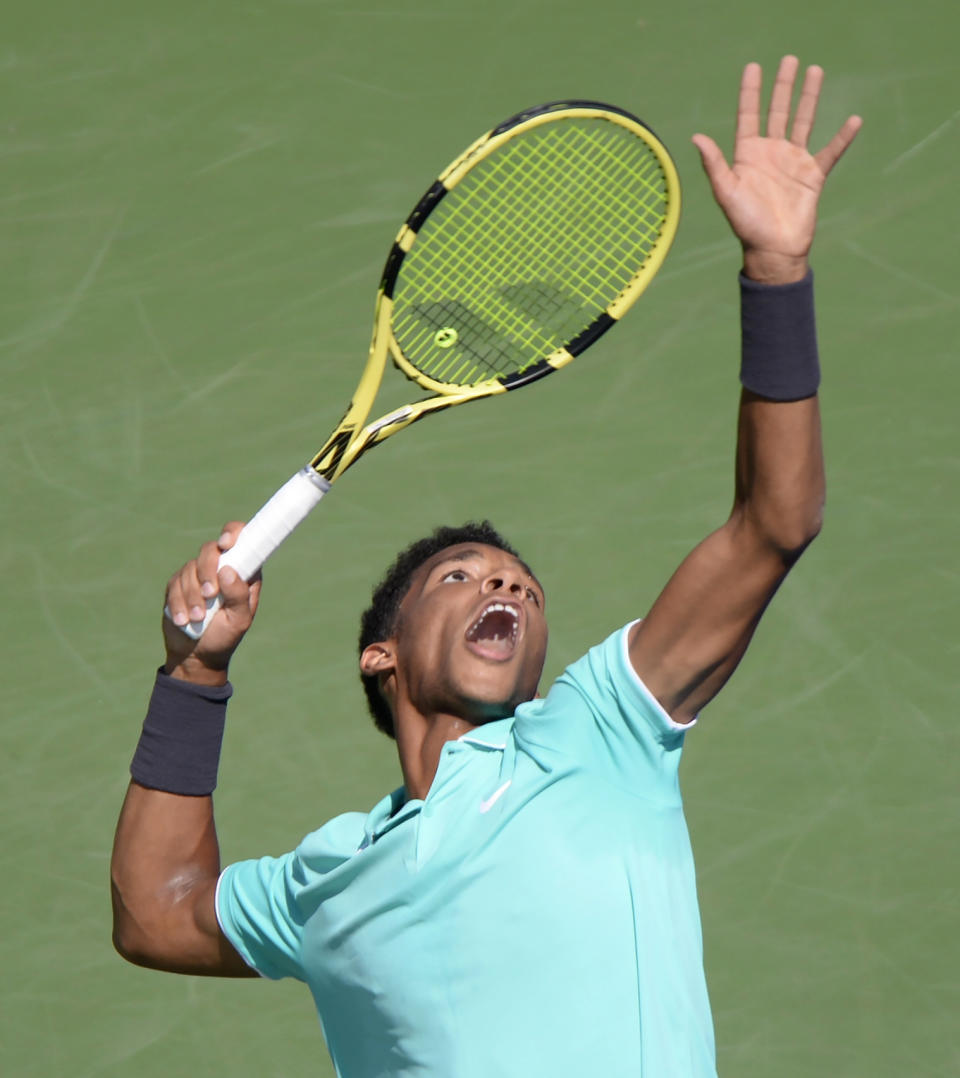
(528, 248)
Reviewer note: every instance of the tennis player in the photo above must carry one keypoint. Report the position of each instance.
(525, 903)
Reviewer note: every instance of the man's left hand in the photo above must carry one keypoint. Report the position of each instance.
(770, 193)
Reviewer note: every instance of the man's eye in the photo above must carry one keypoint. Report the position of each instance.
(455, 574)
(531, 594)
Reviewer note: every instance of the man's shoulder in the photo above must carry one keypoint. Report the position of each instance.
(604, 664)
(600, 700)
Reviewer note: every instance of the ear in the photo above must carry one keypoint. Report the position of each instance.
(377, 659)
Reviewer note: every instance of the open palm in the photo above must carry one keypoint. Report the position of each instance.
(771, 191)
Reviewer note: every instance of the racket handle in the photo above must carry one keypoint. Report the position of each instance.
(291, 505)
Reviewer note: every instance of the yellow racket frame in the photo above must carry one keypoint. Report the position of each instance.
(348, 441)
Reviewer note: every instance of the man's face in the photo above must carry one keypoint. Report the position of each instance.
(471, 634)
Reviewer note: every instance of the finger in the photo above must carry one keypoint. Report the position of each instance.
(837, 146)
(230, 533)
(255, 585)
(207, 563)
(235, 596)
(807, 106)
(175, 602)
(779, 112)
(192, 591)
(748, 107)
(714, 163)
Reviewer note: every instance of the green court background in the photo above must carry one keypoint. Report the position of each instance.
(196, 200)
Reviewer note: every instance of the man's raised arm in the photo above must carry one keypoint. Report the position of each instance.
(698, 629)
(166, 860)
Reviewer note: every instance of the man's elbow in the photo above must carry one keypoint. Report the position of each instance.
(177, 937)
(791, 537)
(785, 532)
(148, 950)
(131, 946)
(129, 941)
(135, 939)
(127, 950)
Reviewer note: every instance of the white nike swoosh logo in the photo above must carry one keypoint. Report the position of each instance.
(486, 806)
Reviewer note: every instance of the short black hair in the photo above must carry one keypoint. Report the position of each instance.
(379, 620)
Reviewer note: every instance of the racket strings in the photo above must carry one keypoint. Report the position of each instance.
(617, 176)
(527, 250)
(577, 201)
(485, 206)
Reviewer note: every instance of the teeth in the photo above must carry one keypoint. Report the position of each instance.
(503, 606)
(497, 608)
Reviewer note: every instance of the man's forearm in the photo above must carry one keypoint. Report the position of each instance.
(780, 481)
(781, 485)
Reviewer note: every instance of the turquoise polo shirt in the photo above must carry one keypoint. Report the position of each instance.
(534, 915)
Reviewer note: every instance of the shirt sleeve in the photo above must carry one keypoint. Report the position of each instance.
(600, 711)
(263, 904)
(256, 906)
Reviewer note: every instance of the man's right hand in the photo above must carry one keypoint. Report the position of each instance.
(205, 661)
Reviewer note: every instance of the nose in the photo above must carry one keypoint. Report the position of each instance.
(505, 580)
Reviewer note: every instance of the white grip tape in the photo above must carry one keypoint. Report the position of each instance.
(291, 505)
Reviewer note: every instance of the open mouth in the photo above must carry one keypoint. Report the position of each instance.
(496, 631)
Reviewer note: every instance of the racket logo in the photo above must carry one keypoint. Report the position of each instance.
(446, 337)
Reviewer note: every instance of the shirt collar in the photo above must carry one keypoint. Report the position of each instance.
(395, 808)
(492, 735)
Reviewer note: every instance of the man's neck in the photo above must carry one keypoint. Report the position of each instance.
(420, 741)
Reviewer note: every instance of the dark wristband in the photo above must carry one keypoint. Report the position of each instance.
(779, 358)
(179, 747)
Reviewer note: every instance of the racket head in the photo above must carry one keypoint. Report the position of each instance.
(528, 247)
